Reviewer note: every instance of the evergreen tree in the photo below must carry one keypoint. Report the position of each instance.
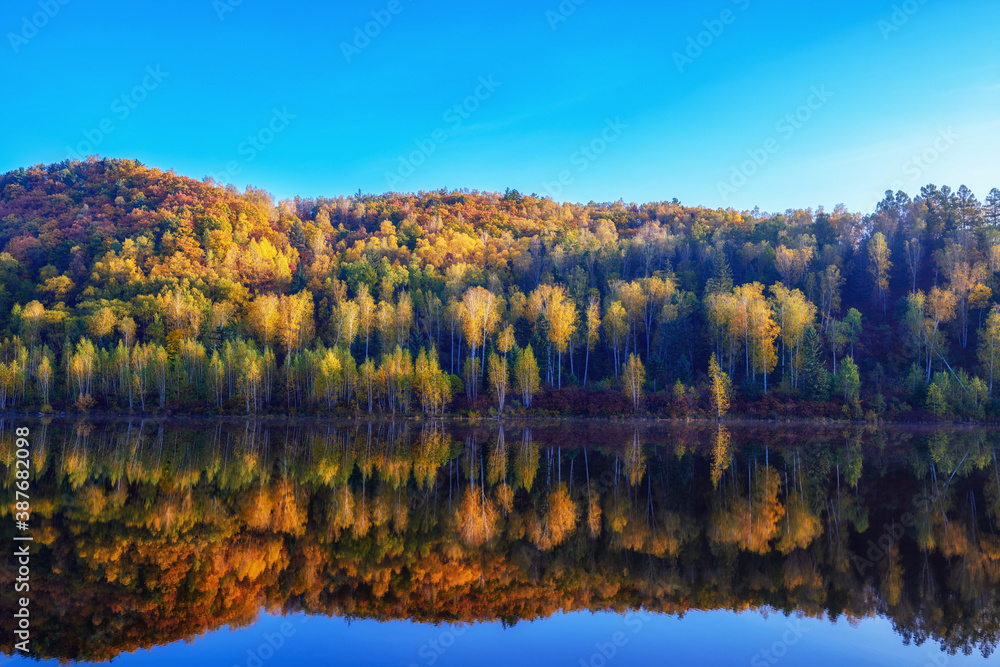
(815, 379)
(721, 281)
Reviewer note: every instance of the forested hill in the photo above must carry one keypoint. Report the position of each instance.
(125, 287)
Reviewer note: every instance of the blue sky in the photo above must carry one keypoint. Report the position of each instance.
(723, 103)
(570, 640)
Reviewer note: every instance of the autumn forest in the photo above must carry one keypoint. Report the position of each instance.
(126, 288)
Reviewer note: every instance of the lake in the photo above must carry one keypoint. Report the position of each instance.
(256, 543)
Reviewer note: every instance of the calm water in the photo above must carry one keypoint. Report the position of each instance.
(562, 544)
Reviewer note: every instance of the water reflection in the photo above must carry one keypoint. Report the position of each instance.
(149, 532)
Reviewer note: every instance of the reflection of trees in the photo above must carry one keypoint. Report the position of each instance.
(747, 515)
(555, 520)
(526, 463)
(154, 532)
(722, 453)
(801, 525)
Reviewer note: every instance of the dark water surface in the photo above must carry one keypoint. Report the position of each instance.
(242, 543)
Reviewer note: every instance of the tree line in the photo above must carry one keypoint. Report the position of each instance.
(126, 287)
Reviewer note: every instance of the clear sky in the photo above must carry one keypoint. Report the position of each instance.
(592, 101)
(570, 640)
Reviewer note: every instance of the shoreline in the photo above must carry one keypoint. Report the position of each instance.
(514, 420)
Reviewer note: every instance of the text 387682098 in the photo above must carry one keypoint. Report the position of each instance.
(22, 550)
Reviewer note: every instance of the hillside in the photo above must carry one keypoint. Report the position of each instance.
(125, 287)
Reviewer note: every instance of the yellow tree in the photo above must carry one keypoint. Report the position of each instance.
(658, 291)
(479, 312)
(763, 334)
(795, 314)
(368, 381)
(403, 319)
(562, 326)
(633, 377)
(727, 322)
(432, 384)
(830, 284)
(505, 341)
(44, 376)
(615, 331)
(526, 375)
(759, 330)
(385, 319)
(967, 284)
(939, 309)
(184, 310)
(127, 328)
(347, 326)
(216, 377)
(102, 323)
(989, 344)
(550, 312)
(720, 387)
(791, 264)
(295, 320)
(498, 378)
(366, 313)
(784, 263)
(879, 265)
(32, 316)
(264, 317)
(634, 300)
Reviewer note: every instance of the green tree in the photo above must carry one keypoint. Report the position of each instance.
(815, 379)
(850, 381)
(851, 328)
(937, 401)
(721, 281)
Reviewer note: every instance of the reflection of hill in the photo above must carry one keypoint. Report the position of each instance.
(150, 533)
